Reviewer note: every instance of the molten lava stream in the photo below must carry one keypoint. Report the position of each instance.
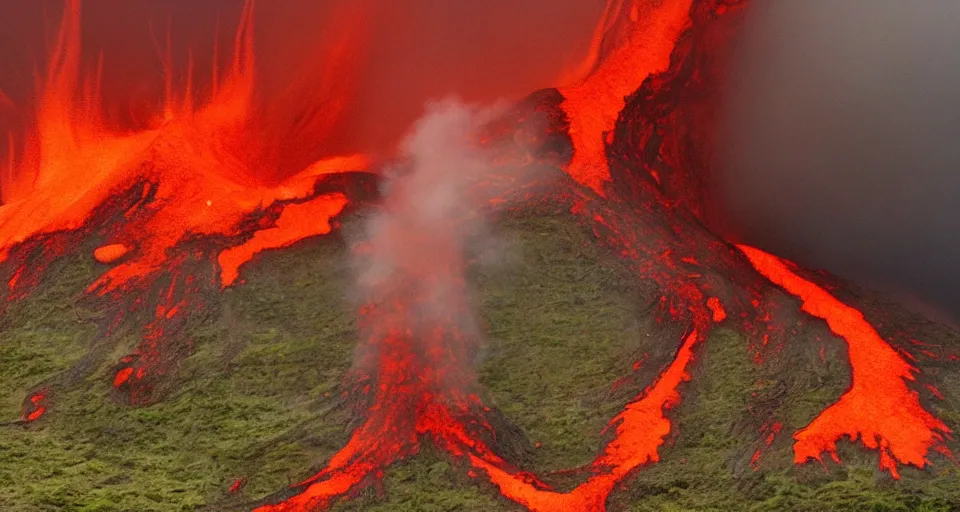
(407, 406)
(641, 429)
(419, 388)
(638, 38)
(878, 408)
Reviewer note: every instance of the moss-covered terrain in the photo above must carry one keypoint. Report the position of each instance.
(261, 397)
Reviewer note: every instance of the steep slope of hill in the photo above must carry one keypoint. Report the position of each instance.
(259, 402)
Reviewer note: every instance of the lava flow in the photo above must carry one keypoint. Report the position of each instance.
(173, 212)
(406, 398)
(633, 41)
(879, 408)
(419, 335)
(672, 255)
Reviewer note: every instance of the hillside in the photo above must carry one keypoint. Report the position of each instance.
(260, 399)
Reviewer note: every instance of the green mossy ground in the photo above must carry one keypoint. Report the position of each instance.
(260, 398)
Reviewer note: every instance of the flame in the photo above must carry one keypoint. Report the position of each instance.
(203, 168)
(208, 163)
(70, 157)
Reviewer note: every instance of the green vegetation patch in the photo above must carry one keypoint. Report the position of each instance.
(562, 328)
(261, 397)
(258, 399)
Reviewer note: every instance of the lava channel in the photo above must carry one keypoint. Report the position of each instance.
(878, 408)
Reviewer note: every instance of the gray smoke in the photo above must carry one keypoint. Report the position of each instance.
(841, 141)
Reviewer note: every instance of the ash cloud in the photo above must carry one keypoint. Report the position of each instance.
(841, 146)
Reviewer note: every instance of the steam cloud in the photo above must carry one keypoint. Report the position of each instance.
(842, 147)
(432, 223)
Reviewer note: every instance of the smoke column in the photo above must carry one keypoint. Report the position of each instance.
(840, 141)
(415, 248)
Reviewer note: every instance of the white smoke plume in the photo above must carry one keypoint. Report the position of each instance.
(433, 222)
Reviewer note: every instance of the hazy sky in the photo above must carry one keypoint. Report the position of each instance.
(843, 135)
(415, 50)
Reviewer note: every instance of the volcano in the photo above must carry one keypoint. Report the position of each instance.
(203, 310)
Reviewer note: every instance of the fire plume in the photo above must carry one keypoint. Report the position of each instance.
(638, 38)
(206, 177)
(196, 170)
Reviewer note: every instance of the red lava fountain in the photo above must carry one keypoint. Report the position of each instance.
(173, 212)
(187, 176)
(74, 163)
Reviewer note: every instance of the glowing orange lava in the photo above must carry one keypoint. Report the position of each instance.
(772, 430)
(34, 406)
(879, 408)
(638, 37)
(110, 253)
(196, 157)
(719, 314)
(641, 429)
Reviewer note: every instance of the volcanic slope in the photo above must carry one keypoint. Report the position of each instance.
(259, 402)
(633, 360)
